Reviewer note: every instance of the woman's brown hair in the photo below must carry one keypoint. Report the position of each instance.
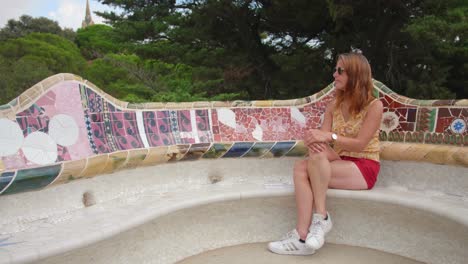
(359, 86)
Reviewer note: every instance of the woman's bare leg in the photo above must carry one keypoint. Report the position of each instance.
(347, 176)
(313, 177)
(304, 198)
(319, 170)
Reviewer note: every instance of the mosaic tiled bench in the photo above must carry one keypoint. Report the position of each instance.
(64, 129)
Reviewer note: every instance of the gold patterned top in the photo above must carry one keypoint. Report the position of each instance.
(351, 129)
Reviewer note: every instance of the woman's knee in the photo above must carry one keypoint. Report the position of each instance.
(317, 157)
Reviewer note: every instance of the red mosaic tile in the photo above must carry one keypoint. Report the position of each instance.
(443, 124)
(402, 113)
(444, 112)
(455, 111)
(464, 113)
(386, 100)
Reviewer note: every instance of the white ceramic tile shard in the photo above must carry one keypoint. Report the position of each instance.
(297, 116)
(63, 129)
(40, 148)
(258, 133)
(389, 121)
(193, 122)
(227, 117)
(11, 137)
(141, 128)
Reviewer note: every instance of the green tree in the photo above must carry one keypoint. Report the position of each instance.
(27, 60)
(136, 80)
(97, 40)
(122, 76)
(27, 24)
(263, 49)
(415, 47)
(441, 64)
(230, 35)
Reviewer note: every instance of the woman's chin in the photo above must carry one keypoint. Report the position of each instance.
(338, 87)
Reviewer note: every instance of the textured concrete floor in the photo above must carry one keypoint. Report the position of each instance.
(330, 254)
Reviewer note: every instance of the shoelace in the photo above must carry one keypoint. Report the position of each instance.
(316, 227)
(290, 234)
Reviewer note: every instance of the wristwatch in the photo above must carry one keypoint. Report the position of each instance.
(334, 137)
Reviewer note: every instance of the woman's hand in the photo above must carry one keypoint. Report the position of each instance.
(317, 147)
(317, 136)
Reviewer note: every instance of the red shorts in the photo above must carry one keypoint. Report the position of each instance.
(369, 169)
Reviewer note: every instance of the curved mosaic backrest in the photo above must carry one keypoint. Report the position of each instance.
(65, 128)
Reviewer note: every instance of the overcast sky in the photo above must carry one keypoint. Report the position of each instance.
(68, 13)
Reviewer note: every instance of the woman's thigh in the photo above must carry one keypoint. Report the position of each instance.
(346, 175)
(329, 153)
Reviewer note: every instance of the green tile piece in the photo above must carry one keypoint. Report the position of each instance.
(196, 151)
(432, 119)
(33, 179)
(451, 139)
(217, 150)
(382, 87)
(136, 106)
(383, 136)
(281, 148)
(5, 179)
(241, 104)
(259, 149)
(426, 102)
(375, 93)
(299, 150)
(301, 101)
(13, 103)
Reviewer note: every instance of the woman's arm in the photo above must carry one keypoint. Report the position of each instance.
(328, 118)
(310, 136)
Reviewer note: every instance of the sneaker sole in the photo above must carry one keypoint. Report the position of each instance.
(290, 252)
(325, 233)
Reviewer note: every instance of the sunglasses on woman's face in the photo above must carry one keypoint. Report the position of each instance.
(339, 70)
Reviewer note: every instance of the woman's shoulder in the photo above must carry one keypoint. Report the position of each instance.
(375, 106)
(376, 103)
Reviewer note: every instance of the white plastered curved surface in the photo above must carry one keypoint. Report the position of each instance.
(126, 206)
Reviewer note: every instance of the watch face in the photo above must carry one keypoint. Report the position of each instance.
(334, 136)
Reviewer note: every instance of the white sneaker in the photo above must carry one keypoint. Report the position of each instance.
(290, 245)
(317, 231)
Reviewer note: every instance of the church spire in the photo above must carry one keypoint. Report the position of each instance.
(88, 21)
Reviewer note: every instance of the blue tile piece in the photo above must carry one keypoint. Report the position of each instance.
(33, 179)
(238, 149)
(5, 179)
(281, 148)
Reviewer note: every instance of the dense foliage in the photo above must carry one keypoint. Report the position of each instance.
(26, 60)
(167, 50)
